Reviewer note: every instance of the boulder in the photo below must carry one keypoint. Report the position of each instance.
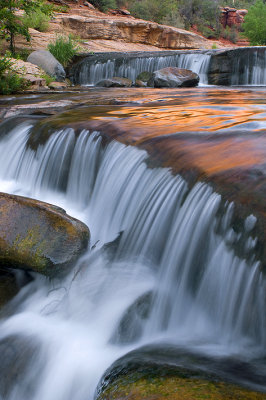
(45, 60)
(38, 236)
(155, 384)
(173, 77)
(143, 78)
(115, 82)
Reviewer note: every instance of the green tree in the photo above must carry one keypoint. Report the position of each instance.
(254, 25)
(11, 23)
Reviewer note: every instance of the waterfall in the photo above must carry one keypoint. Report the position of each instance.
(249, 67)
(242, 66)
(93, 69)
(154, 240)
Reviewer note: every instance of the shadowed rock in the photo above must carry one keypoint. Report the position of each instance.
(38, 236)
(115, 82)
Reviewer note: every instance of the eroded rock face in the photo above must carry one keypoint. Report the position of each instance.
(173, 77)
(232, 17)
(115, 82)
(45, 60)
(38, 236)
(131, 30)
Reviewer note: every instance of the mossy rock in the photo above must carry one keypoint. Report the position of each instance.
(143, 78)
(133, 386)
(39, 236)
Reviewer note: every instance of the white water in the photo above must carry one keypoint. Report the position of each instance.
(249, 68)
(174, 244)
(91, 73)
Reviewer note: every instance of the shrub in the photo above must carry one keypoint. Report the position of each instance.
(10, 82)
(64, 49)
(254, 25)
(104, 5)
(174, 19)
(153, 10)
(37, 20)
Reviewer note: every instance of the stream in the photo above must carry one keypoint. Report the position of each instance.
(167, 276)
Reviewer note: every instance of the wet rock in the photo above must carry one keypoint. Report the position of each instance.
(57, 85)
(8, 286)
(143, 78)
(45, 60)
(178, 385)
(115, 82)
(130, 327)
(39, 236)
(173, 77)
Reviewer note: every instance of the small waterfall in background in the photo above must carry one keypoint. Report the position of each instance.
(92, 69)
(249, 68)
(242, 66)
(154, 241)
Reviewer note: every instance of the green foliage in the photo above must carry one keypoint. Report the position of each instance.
(64, 49)
(104, 5)
(48, 79)
(10, 82)
(174, 19)
(203, 13)
(154, 10)
(37, 20)
(214, 46)
(230, 34)
(255, 24)
(12, 24)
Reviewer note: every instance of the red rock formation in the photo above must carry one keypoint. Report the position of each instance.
(232, 17)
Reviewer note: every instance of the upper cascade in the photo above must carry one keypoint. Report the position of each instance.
(242, 66)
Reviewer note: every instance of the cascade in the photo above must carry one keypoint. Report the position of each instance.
(93, 69)
(242, 66)
(249, 68)
(152, 237)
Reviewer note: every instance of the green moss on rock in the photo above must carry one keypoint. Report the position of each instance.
(38, 236)
(178, 387)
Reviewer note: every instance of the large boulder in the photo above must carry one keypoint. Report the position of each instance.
(172, 385)
(115, 82)
(38, 236)
(45, 60)
(173, 77)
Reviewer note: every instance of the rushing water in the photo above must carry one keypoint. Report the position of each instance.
(243, 66)
(92, 71)
(154, 240)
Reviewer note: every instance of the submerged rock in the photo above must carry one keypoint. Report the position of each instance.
(115, 82)
(45, 60)
(131, 324)
(173, 77)
(38, 236)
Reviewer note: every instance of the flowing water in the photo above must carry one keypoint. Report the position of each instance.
(156, 241)
(244, 66)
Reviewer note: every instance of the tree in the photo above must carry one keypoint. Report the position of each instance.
(11, 23)
(255, 24)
